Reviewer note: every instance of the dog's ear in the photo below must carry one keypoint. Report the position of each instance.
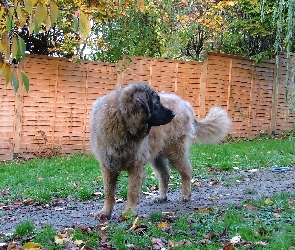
(135, 108)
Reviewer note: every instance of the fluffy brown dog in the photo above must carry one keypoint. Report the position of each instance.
(130, 127)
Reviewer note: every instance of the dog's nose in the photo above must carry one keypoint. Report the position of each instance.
(173, 113)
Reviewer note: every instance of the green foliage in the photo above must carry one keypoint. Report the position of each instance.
(131, 34)
(247, 33)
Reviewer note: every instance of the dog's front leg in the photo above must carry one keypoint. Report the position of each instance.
(109, 180)
(136, 176)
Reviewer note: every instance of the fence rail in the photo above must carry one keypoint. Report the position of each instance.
(54, 115)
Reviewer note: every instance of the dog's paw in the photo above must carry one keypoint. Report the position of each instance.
(159, 199)
(185, 198)
(102, 217)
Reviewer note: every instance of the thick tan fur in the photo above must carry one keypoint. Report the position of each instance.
(170, 142)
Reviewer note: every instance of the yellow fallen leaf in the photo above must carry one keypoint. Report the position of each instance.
(31, 246)
(135, 224)
(58, 240)
(163, 225)
(78, 242)
(213, 198)
(268, 202)
(204, 210)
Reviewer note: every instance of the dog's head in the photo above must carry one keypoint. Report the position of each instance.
(141, 109)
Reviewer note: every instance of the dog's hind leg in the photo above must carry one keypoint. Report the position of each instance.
(136, 176)
(109, 180)
(184, 168)
(161, 170)
(179, 159)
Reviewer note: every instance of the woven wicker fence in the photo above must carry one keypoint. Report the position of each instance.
(54, 115)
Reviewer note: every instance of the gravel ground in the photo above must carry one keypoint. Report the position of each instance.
(231, 188)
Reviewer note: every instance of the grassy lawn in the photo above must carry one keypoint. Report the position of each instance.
(259, 224)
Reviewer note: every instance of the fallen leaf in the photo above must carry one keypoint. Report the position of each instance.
(58, 240)
(213, 198)
(236, 239)
(28, 201)
(204, 241)
(262, 231)
(158, 243)
(197, 184)
(103, 235)
(224, 233)
(214, 182)
(78, 242)
(250, 207)
(17, 202)
(261, 243)
(277, 215)
(12, 246)
(178, 244)
(141, 229)
(229, 247)
(31, 246)
(135, 224)
(210, 235)
(163, 225)
(168, 213)
(4, 192)
(268, 202)
(5, 208)
(132, 246)
(153, 188)
(96, 194)
(204, 210)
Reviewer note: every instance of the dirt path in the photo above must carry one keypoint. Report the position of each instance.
(234, 188)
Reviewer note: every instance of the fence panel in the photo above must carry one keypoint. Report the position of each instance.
(261, 111)
(55, 114)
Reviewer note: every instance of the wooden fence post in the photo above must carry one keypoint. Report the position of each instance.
(86, 66)
(203, 83)
(229, 83)
(275, 93)
(175, 76)
(54, 105)
(250, 103)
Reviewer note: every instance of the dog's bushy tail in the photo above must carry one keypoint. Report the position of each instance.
(214, 127)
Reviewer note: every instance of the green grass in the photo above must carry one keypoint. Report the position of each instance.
(25, 228)
(42, 180)
(78, 176)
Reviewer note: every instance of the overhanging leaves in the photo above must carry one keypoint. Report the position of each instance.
(25, 80)
(53, 12)
(14, 80)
